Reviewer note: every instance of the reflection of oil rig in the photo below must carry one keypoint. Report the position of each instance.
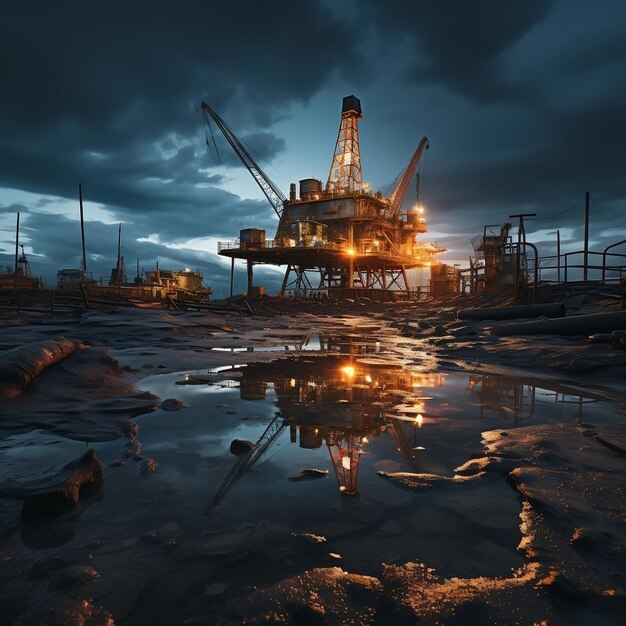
(339, 239)
(335, 401)
(516, 399)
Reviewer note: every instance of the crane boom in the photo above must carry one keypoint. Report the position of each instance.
(399, 193)
(275, 196)
(247, 460)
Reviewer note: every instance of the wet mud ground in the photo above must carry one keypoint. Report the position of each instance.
(414, 469)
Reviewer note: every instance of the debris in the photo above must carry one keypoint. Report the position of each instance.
(21, 364)
(240, 446)
(172, 404)
(309, 473)
(148, 466)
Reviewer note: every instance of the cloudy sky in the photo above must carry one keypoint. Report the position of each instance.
(523, 103)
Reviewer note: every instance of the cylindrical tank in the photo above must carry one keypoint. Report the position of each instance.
(309, 188)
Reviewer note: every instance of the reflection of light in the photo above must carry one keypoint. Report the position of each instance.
(292, 382)
(348, 370)
(368, 378)
(419, 420)
(345, 462)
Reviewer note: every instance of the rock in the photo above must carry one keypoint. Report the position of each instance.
(421, 482)
(172, 404)
(587, 538)
(241, 446)
(132, 448)
(310, 473)
(148, 466)
(486, 464)
(561, 587)
(310, 537)
(75, 576)
(63, 492)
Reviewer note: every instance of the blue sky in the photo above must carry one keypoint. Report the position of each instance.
(522, 102)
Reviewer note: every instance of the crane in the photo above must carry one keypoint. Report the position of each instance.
(247, 460)
(275, 196)
(399, 192)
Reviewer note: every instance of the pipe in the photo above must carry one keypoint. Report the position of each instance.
(513, 312)
(575, 325)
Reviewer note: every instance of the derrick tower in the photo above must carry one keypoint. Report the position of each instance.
(345, 169)
(340, 240)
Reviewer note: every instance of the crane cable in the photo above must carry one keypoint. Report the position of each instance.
(208, 129)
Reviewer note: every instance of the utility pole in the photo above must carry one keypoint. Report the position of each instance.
(17, 242)
(82, 230)
(558, 255)
(520, 233)
(586, 246)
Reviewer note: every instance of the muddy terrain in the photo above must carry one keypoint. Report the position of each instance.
(310, 464)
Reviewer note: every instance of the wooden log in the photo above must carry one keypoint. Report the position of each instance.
(575, 325)
(513, 312)
(20, 365)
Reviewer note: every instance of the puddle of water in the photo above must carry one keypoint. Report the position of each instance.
(214, 520)
(353, 417)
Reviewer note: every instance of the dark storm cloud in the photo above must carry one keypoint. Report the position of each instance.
(104, 93)
(523, 102)
(458, 44)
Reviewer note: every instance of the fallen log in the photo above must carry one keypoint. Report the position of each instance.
(575, 325)
(513, 312)
(18, 366)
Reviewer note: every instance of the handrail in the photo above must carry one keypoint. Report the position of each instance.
(619, 243)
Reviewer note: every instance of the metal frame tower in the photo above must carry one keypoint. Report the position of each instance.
(345, 170)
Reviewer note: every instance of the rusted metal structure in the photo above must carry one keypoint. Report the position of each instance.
(339, 239)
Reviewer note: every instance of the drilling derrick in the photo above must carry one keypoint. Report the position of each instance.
(345, 170)
(340, 240)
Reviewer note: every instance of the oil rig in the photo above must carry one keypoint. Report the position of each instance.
(339, 240)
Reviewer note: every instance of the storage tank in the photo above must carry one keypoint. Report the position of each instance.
(309, 188)
(252, 237)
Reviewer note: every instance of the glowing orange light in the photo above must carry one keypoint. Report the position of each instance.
(348, 370)
(419, 420)
(350, 251)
